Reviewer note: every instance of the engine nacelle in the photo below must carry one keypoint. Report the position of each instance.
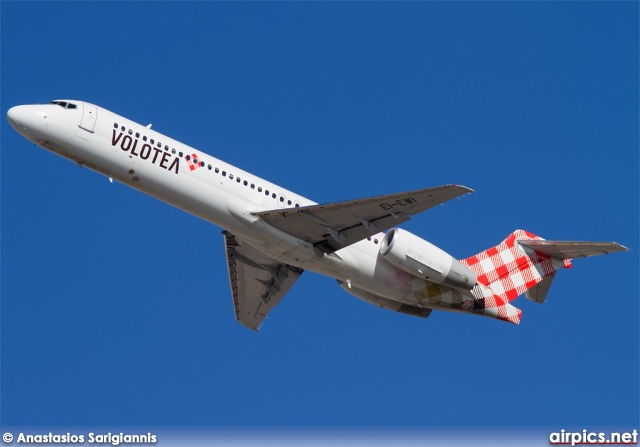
(424, 260)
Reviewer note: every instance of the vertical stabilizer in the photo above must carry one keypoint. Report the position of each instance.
(524, 262)
(509, 269)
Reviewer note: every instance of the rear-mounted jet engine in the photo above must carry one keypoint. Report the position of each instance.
(424, 260)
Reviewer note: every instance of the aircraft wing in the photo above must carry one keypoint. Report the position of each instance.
(333, 226)
(258, 282)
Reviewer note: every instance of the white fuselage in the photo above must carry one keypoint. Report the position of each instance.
(397, 271)
(216, 192)
(219, 193)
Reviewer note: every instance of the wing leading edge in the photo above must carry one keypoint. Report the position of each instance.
(258, 282)
(333, 226)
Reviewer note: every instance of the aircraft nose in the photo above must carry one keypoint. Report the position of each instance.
(13, 115)
(25, 118)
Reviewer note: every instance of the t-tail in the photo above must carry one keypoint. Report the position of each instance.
(524, 263)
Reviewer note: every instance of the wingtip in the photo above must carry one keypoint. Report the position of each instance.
(622, 247)
(466, 189)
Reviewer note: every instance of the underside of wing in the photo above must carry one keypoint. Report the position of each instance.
(258, 282)
(333, 226)
(572, 250)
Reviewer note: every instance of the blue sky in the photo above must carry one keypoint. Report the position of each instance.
(116, 308)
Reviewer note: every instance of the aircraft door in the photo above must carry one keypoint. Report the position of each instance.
(89, 117)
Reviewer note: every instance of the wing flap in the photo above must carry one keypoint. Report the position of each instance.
(258, 282)
(333, 226)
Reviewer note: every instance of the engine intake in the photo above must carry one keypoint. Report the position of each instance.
(420, 258)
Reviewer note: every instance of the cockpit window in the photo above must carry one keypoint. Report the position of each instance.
(64, 105)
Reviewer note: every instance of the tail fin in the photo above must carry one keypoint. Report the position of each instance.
(509, 270)
(524, 262)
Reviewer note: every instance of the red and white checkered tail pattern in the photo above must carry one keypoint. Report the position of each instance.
(509, 269)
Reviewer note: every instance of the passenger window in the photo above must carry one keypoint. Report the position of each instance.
(209, 167)
(202, 165)
(151, 141)
(160, 145)
(188, 157)
(144, 138)
(137, 135)
(238, 179)
(115, 125)
(266, 192)
(281, 199)
(245, 183)
(173, 151)
(166, 148)
(231, 176)
(259, 188)
(130, 132)
(122, 128)
(180, 154)
(273, 196)
(224, 173)
(297, 205)
(253, 186)
(217, 170)
(288, 202)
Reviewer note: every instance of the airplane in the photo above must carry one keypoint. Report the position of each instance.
(272, 235)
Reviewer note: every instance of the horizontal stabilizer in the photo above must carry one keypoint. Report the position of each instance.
(504, 312)
(538, 293)
(526, 263)
(571, 250)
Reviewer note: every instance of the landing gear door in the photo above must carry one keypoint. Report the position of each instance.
(89, 117)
